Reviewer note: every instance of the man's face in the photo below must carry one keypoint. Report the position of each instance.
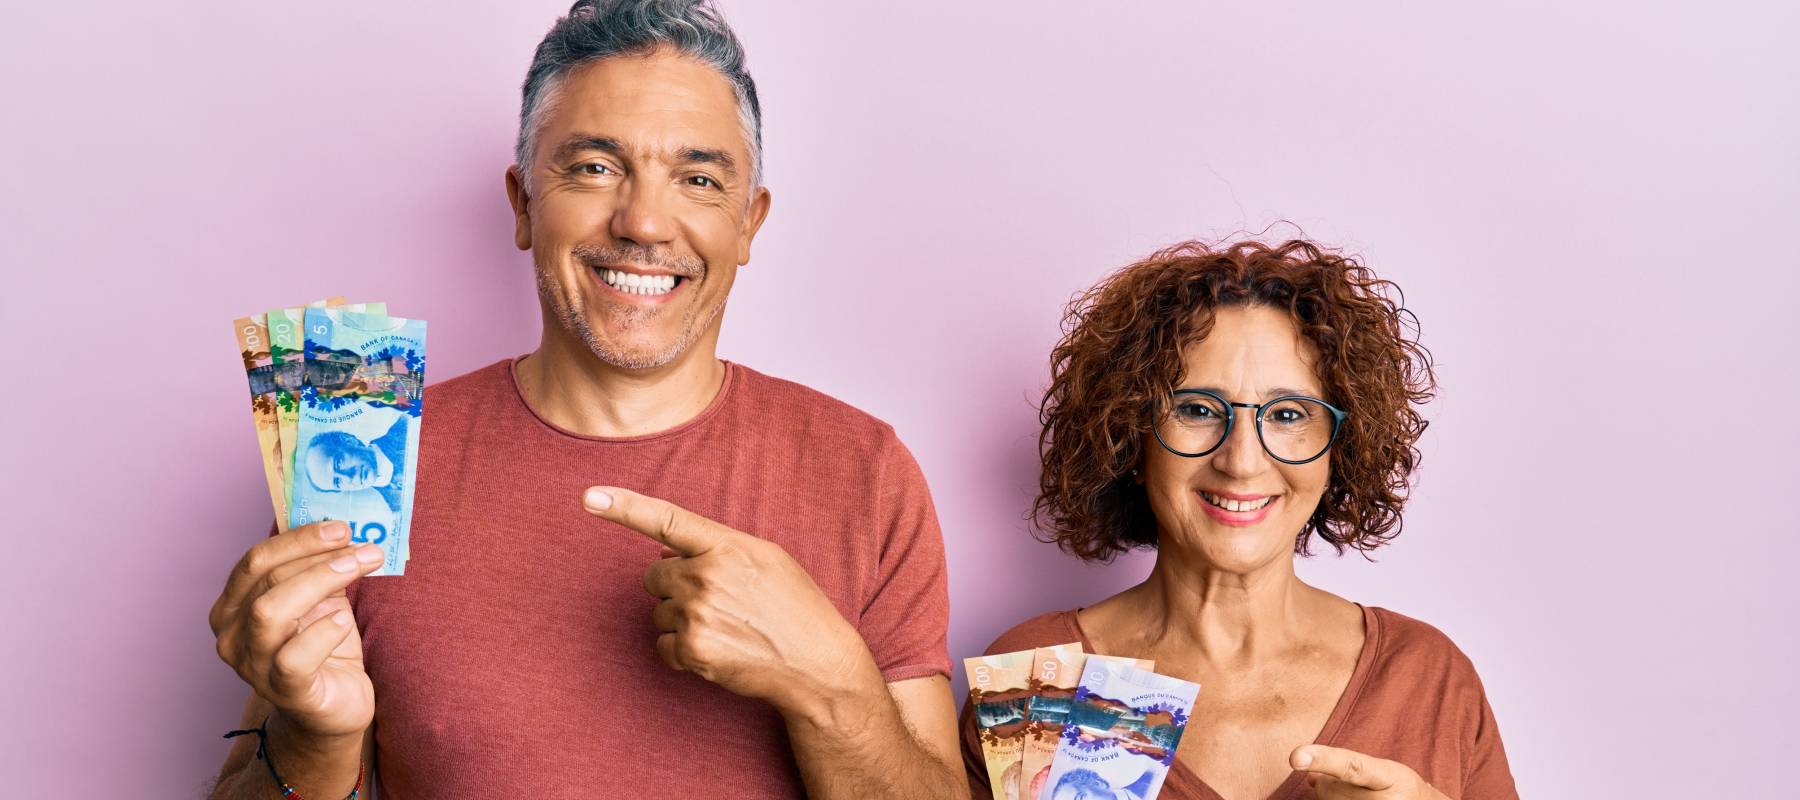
(343, 467)
(641, 207)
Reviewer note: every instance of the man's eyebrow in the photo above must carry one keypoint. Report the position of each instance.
(577, 144)
(580, 143)
(706, 155)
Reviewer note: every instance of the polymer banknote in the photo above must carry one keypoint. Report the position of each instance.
(1123, 729)
(288, 370)
(262, 356)
(359, 408)
(259, 368)
(1055, 673)
(999, 689)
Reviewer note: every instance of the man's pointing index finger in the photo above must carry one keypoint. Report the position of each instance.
(675, 527)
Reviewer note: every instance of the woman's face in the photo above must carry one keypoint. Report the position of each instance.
(1252, 355)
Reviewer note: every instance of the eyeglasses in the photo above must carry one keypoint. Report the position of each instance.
(1293, 429)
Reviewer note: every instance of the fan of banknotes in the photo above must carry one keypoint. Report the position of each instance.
(338, 393)
(1055, 722)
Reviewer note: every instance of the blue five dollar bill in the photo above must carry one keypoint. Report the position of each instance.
(357, 446)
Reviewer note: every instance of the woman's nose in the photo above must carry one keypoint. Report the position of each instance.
(1241, 454)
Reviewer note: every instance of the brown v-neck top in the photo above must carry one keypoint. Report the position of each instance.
(1413, 698)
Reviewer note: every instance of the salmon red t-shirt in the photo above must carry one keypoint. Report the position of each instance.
(1413, 697)
(516, 656)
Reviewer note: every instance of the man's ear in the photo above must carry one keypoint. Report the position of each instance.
(753, 220)
(521, 206)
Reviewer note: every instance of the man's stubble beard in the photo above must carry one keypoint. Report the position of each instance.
(570, 310)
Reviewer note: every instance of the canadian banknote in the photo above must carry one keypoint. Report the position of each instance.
(259, 367)
(289, 371)
(999, 689)
(262, 357)
(360, 405)
(1055, 673)
(1124, 726)
(286, 342)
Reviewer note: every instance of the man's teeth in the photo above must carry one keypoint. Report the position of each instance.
(1237, 505)
(633, 283)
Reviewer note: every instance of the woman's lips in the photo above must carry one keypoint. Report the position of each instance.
(1236, 518)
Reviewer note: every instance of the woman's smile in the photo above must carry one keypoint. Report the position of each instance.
(1241, 510)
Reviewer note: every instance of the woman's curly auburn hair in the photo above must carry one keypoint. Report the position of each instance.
(1122, 352)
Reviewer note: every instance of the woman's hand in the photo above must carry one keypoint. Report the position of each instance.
(1339, 774)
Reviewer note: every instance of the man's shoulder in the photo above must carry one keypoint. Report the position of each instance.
(473, 388)
(804, 407)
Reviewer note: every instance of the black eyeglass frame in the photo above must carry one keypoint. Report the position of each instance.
(1338, 416)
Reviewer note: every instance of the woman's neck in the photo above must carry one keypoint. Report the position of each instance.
(1226, 619)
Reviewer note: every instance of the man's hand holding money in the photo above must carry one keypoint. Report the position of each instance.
(284, 624)
(740, 612)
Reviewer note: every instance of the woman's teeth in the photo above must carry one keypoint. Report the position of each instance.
(633, 283)
(1237, 505)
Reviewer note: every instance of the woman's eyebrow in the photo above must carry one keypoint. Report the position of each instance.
(1269, 394)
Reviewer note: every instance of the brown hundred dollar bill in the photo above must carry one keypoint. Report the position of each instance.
(999, 690)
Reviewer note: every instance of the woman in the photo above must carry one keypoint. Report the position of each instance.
(1230, 408)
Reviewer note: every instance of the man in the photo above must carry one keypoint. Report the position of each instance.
(617, 503)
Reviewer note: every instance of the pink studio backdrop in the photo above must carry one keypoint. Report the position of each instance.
(1588, 208)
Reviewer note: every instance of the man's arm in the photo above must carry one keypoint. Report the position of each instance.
(302, 762)
(895, 740)
(740, 612)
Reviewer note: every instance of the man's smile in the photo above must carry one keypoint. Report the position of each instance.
(637, 285)
(647, 285)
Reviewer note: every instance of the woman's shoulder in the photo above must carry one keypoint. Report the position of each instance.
(1409, 645)
(1053, 627)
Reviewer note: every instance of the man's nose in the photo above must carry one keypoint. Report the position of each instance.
(643, 216)
(1241, 454)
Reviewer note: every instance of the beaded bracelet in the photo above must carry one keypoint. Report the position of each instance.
(262, 754)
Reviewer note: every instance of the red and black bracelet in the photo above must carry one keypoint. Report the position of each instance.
(262, 754)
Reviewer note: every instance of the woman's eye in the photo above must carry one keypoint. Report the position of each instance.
(1287, 415)
(1194, 411)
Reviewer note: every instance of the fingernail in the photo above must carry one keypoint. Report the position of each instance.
(597, 500)
(343, 564)
(333, 531)
(368, 554)
(341, 618)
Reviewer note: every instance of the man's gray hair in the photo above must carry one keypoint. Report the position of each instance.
(596, 29)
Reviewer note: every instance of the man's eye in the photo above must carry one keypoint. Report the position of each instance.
(703, 182)
(593, 169)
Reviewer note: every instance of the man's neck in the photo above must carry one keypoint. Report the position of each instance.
(572, 388)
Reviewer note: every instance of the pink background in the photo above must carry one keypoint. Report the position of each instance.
(1588, 208)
